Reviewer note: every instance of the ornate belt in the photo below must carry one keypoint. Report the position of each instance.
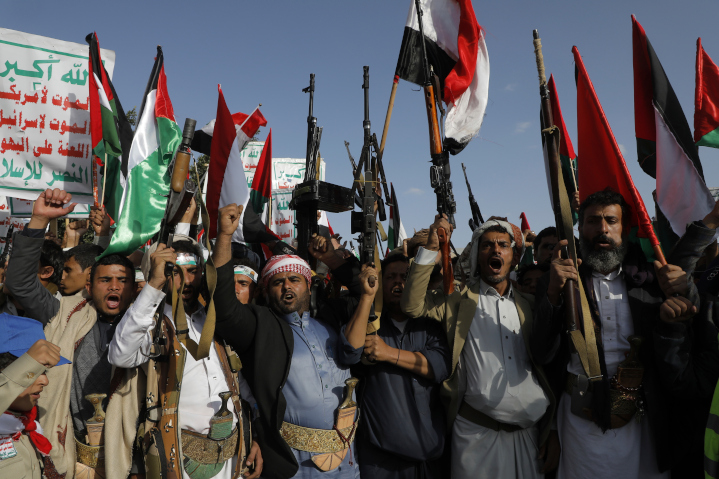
(90, 456)
(317, 440)
(204, 450)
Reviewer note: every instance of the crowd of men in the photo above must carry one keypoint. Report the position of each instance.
(177, 361)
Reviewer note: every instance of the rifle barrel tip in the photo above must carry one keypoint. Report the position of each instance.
(535, 33)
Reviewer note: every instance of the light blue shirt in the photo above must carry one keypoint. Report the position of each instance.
(315, 388)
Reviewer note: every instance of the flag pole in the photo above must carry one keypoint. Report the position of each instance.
(388, 117)
(104, 180)
(94, 181)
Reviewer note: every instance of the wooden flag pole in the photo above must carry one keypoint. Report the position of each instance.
(104, 181)
(95, 194)
(389, 114)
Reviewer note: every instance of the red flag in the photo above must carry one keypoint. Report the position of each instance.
(706, 100)
(262, 181)
(602, 163)
(525, 223)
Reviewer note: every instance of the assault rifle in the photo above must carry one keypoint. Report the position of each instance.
(476, 220)
(182, 189)
(439, 172)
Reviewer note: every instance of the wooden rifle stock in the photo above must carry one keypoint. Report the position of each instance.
(550, 142)
(435, 138)
(181, 171)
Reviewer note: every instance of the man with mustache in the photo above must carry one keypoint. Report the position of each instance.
(626, 295)
(291, 360)
(498, 401)
(82, 326)
(404, 426)
(204, 378)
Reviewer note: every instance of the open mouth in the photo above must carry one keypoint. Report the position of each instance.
(495, 265)
(113, 301)
(288, 297)
(397, 291)
(603, 242)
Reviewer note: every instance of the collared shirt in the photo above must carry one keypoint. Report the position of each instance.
(495, 363)
(610, 291)
(315, 388)
(202, 380)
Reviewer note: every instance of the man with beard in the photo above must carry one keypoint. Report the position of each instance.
(498, 401)
(291, 359)
(404, 426)
(83, 326)
(625, 295)
(204, 378)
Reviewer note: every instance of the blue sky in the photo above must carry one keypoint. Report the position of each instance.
(264, 51)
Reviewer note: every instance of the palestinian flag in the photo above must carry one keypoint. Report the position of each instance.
(603, 165)
(261, 191)
(202, 141)
(664, 142)
(706, 100)
(110, 132)
(567, 156)
(226, 175)
(457, 52)
(148, 182)
(396, 234)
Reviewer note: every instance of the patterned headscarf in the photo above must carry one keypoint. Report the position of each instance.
(284, 264)
(514, 233)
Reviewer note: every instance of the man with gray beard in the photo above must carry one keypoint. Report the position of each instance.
(635, 350)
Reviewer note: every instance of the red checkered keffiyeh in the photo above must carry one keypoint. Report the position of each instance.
(284, 264)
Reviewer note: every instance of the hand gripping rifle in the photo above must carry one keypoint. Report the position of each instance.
(439, 172)
(476, 220)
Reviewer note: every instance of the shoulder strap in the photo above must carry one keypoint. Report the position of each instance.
(232, 383)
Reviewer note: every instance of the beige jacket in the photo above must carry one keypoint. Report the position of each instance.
(73, 321)
(456, 312)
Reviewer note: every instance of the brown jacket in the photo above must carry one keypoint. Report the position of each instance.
(456, 312)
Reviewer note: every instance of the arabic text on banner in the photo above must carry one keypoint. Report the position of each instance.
(44, 116)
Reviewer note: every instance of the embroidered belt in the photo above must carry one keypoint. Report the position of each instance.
(317, 440)
(90, 456)
(204, 450)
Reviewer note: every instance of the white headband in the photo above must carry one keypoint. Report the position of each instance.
(184, 259)
(247, 271)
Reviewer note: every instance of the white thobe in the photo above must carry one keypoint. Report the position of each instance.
(624, 453)
(496, 378)
(202, 380)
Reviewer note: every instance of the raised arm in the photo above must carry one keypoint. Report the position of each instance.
(236, 323)
(133, 337)
(22, 280)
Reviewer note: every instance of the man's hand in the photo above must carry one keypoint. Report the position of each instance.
(433, 240)
(99, 221)
(575, 202)
(370, 282)
(228, 219)
(190, 215)
(560, 270)
(711, 220)
(672, 279)
(158, 259)
(50, 205)
(45, 353)
(676, 309)
(255, 456)
(549, 452)
(320, 248)
(377, 350)
(73, 233)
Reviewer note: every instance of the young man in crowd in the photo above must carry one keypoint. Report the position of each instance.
(290, 359)
(246, 276)
(402, 435)
(636, 311)
(203, 379)
(498, 400)
(82, 325)
(544, 244)
(25, 355)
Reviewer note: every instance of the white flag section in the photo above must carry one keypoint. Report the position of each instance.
(44, 118)
(234, 185)
(693, 200)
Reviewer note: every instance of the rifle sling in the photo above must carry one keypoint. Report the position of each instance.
(373, 327)
(585, 345)
(201, 350)
(231, 379)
